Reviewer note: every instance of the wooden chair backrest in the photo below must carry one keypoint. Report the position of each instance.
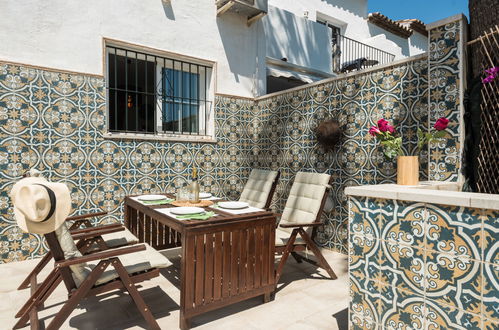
(323, 202)
(58, 255)
(272, 190)
(318, 219)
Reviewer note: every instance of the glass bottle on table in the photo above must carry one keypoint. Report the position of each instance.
(194, 187)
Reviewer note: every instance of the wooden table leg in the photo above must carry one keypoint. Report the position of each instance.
(186, 278)
(184, 323)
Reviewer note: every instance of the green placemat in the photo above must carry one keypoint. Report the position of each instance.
(160, 202)
(202, 216)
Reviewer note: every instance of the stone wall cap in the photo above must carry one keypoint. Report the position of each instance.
(434, 192)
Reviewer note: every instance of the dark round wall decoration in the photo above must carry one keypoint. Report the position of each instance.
(328, 133)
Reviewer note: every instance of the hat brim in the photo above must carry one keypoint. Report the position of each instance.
(62, 210)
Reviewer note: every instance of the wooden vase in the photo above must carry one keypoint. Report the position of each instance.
(408, 170)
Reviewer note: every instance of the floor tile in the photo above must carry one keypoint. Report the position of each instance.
(306, 299)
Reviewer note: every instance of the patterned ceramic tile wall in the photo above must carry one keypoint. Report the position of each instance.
(285, 126)
(422, 266)
(445, 61)
(55, 122)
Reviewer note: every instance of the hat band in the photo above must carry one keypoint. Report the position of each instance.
(52, 202)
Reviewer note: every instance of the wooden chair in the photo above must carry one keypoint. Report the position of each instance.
(260, 188)
(112, 236)
(301, 216)
(91, 274)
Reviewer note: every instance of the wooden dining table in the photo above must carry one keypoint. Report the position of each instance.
(225, 259)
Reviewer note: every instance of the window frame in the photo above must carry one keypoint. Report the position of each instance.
(208, 120)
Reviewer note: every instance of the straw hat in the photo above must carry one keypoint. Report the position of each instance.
(40, 206)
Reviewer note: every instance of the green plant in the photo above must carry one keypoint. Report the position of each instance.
(392, 144)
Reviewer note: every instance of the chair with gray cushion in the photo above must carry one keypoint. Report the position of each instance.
(302, 216)
(111, 236)
(260, 188)
(92, 274)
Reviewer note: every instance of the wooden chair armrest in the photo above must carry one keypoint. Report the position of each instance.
(293, 225)
(95, 233)
(91, 229)
(100, 255)
(85, 216)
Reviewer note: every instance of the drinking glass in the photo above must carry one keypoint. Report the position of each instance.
(182, 194)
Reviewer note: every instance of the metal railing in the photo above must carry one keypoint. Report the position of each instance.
(349, 55)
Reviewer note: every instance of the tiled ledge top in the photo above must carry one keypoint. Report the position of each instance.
(446, 193)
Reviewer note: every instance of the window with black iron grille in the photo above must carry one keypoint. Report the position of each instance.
(151, 94)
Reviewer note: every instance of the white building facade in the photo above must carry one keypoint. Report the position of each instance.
(73, 35)
(306, 39)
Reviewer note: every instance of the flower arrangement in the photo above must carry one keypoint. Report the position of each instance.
(392, 144)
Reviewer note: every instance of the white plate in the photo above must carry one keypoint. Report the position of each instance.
(151, 197)
(204, 195)
(233, 205)
(183, 210)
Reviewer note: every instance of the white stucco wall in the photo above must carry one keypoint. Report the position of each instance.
(418, 43)
(67, 35)
(350, 13)
(351, 17)
(303, 42)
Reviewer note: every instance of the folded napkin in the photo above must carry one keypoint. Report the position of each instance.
(158, 202)
(199, 216)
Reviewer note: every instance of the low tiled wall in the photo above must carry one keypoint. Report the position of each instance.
(422, 265)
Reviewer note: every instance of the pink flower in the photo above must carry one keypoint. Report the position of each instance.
(441, 124)
(488, 79)
(374, 131)
(390, 128)
(383, 125)
(491, 74)
(492, 71)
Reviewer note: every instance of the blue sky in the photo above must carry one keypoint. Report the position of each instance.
(426, 10)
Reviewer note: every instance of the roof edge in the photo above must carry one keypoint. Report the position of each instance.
(389, 25)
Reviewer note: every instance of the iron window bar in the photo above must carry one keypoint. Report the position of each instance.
(168, 106)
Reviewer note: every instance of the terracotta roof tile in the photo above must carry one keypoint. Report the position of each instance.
(389, 25)
(415, 25)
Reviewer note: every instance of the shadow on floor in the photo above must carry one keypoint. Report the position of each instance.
(100, 310)
(307, 271)
(342, 319)
(289, 275)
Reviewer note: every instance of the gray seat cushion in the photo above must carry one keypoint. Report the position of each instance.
(305, 199)
(282, 237)
(119, 238)
(133, 262)
(257, 188)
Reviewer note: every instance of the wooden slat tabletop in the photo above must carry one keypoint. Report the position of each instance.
(222, 216)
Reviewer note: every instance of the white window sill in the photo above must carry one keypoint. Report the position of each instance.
(161, 137)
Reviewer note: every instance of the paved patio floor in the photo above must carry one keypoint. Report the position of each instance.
(306, 299)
